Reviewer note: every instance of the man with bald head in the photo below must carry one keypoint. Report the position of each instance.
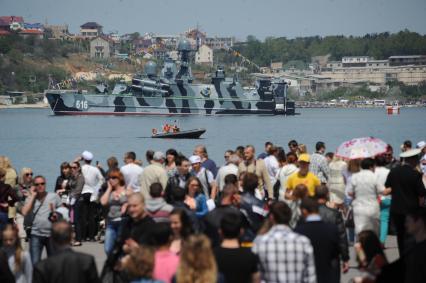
(257, 167)
(65, 265)
(140, 223)
(231, 167)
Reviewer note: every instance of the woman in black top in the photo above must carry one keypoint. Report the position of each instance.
(75, 186)
(63, 178)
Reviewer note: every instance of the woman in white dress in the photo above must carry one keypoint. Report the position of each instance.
(365, 189)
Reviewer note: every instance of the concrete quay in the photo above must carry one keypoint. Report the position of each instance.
(97, 250)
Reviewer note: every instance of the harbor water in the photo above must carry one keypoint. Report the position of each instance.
(36, 138)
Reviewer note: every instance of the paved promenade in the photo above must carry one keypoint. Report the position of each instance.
(97, 251)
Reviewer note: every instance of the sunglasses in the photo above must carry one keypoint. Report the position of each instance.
(28, 174)
(113, 177)
(39, 184)
(74, 167)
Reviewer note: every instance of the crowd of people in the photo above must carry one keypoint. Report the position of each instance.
(283, 215)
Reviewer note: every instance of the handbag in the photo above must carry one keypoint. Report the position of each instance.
(277, 185)
(349, 218)
(29, 225)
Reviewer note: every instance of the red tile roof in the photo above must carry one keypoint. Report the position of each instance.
(3, 23)
(31, 31)
(11, 19)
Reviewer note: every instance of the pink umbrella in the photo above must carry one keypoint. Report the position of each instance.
(361, 148)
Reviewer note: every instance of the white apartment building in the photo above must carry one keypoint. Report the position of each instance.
(204, 55)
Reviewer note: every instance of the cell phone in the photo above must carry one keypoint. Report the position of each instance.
(97, 162)
(33, 188)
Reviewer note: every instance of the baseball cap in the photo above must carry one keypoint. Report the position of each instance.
(195, 159)
(304, 157)
(87, 155)
(158, 155)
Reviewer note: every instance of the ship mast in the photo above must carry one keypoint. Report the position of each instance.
(184, 74)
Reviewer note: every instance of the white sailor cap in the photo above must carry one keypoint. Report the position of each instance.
(421, 144)
(87, 155)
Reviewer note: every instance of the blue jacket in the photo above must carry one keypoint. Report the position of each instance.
(201, 206)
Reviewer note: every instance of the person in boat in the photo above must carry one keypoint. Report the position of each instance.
(154, 131)
(166, 128)
(175, 129)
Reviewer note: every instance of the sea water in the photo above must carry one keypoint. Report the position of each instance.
(36, 138)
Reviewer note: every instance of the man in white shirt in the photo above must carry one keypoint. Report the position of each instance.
(231, 167)
(131, 171)
(93, 178)
(205, 175)
(271, 164)
(93, 181)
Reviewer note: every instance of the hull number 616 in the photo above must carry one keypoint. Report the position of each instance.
(81, 104)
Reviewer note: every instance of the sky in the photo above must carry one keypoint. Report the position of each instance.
(239, 18)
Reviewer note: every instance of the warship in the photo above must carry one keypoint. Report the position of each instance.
(174, 92)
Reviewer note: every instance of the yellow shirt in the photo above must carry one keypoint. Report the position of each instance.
(310, 181)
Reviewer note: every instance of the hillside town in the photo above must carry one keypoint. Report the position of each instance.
(321, 75)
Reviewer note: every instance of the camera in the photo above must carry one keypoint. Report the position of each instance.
(55, 216)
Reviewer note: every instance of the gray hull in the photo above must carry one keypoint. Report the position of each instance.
(183, 99)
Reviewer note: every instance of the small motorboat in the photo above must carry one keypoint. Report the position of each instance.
(189, 134)
(393, 109)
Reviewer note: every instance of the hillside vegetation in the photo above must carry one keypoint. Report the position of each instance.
(26, 63)
(379, 46)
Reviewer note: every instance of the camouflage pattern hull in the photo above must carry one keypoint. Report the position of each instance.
(180, 99)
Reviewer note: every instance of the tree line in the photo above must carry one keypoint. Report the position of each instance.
(377, 45)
